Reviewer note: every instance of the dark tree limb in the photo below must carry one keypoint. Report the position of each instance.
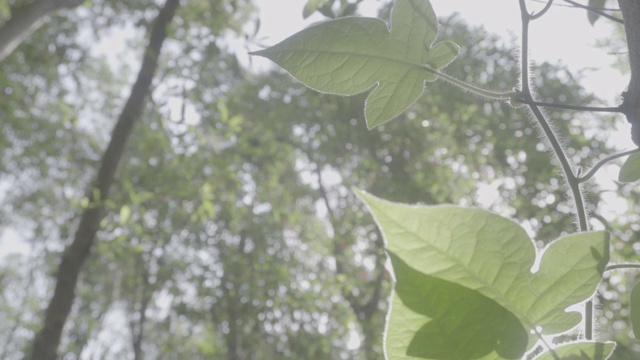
(47, 340)
(27, 19)
(631, 98)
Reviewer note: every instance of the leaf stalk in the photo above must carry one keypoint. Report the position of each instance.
(468, 87)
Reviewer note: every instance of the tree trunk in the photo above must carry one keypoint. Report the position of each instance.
(47, 340)
(631, 104)
(137, 326)
(27, 19)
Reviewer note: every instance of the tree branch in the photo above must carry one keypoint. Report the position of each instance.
(47, 340)
(596, 11)
(631, 98)
(572, 107)
(27, 19)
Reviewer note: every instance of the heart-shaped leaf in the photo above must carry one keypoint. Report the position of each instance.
(580, 351)
(630, 170)
(487, 253)
(351, 55)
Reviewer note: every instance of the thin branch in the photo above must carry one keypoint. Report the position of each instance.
(622, 266)
(571, 6)
(596, 11)
(26, 19)
(337, 251)
(600, 163)
(544, 10)
(573, 107)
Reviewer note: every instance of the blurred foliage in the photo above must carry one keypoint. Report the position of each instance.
(233, 232)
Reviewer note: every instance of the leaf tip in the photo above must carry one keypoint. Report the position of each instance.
(361, 194)
(367, 198)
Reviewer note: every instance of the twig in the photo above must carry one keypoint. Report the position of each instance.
(622, 266)
(572, 107)
(544, 10)
(600, 163)
(596, 11)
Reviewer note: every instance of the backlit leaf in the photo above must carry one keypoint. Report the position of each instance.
(494, 256)
(351, 55)
(436, 319)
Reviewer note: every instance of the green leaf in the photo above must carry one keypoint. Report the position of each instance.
(580, 351)
(484, 252)
(594, 4)
(437, 319)
(5, 10)
(310, 7)
(125, 214)
(630, 170)
(634, 305)
(351, 55)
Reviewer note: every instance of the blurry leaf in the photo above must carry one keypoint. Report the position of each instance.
(223, 110)
(125, 214)
(235, 123)
(634, 309)
(630, 170)
(581, 351)
(310, 7)
(140, 197)
(5, 10)
(352, 55)
(209, 210)
(594, 4)
(482, 251)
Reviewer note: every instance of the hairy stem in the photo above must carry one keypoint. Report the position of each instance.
(572, 180)
(474, 89)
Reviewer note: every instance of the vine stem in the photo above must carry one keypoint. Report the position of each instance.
(622, 266)
(572, 180)
(600, 163)
(573, 107)
(525, 97)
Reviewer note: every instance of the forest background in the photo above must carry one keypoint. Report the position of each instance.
(230, 231)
